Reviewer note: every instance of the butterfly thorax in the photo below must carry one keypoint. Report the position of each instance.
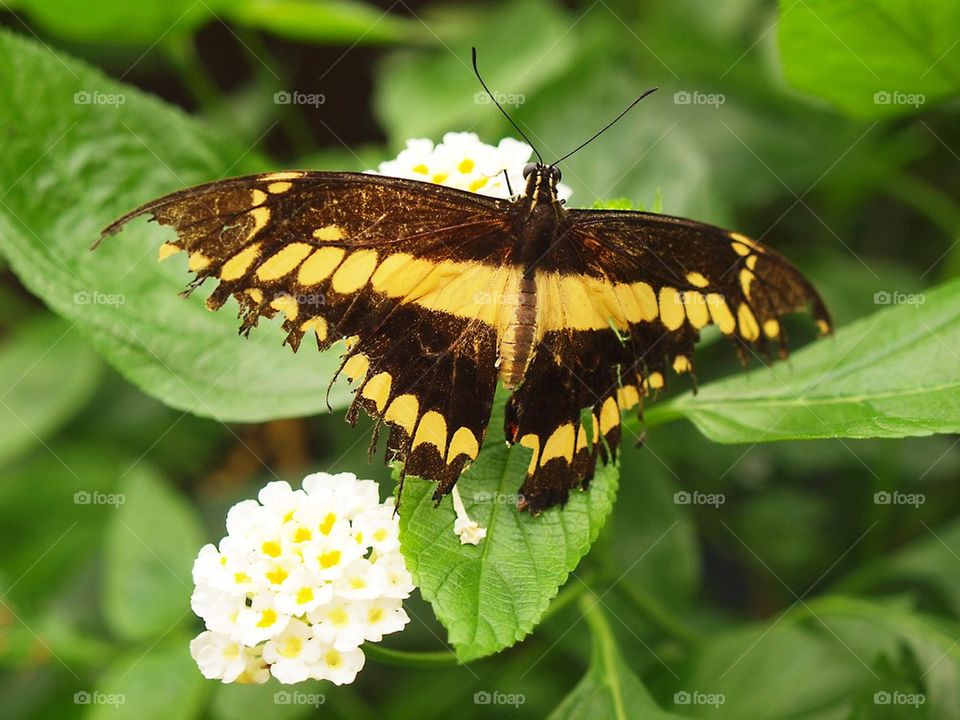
(536, 218)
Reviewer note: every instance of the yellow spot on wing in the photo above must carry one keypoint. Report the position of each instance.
(533, 442)
(681, 364)
(237, 266)
(752, 262)
(823, 326)
(581, 438)
(261, 216)
(628, 397)
(166, 250)
(198, 261)
(403, 411)
(255, 294)
(432, 430)
(740, 248)
(696, 306)
(356, 366)
(318, 325)
(747, 322)
(287, 305)
(328, 233)
(655, 380)
(671, 308)
(319, 266)
(275, 188)
(771, 328)
(746, 277)
(355, 271)
(720, 313)
(257, 197)
(283, 261)
(647, 299)
(560, 444)
(609, 415)
(377, 389)
(463, 442)
(697, 280)
(290, 175)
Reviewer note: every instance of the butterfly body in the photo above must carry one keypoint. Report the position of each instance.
(440, 293)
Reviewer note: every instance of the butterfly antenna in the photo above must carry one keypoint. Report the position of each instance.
(476, 71)
(607, 126)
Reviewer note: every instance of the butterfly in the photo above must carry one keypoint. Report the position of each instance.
(439, 294)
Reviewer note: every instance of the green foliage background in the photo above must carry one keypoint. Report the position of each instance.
(826, 128)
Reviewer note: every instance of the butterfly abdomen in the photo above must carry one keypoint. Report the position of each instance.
(516, 342)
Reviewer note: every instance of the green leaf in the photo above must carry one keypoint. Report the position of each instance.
(151, 544)
(878, 58)
(332, 21)
(895, 373)
(609, 689)
(112, 22)
(490, 596)
(47, 374)
(72, 163)
(161, 683)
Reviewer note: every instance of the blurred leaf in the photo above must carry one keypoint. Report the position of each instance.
(609, 689)
(490, 596)
(867, 628)
(877, 58)
(329, 21)
(893, 374)
(160, 682)
(770, 670)
(151, 545)
(422, 94)
(69, 168)
(112, 21)
(47, 374)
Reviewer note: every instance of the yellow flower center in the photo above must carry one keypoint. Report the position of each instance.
(328, 522)
(267, 618)
(304, 595)
(465, 166)
(271, 548)
(328, 559)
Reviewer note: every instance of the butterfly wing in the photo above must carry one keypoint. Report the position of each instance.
(624, 296)
(407, 272)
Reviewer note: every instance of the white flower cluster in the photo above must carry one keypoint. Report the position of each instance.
(462, 161)
(302, 579)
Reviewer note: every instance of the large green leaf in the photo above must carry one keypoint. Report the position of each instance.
(609, 689)
(71, 164)
(895, 373)
(490, 596)
(160, 682)
(152, 540)
(47, 374)
(875, 58)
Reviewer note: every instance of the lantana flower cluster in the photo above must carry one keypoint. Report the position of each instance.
(462, 161)
(302, 579)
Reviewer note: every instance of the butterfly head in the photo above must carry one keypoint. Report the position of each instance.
(542, 181)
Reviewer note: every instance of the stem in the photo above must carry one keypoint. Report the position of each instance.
(411, 658)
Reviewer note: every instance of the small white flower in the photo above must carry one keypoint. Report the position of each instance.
(303, 578)
(462, 161)
(469, 531)
(218, 656)
(339, 666)
(293, 653)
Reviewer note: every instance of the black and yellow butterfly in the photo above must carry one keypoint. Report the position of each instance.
(440, 292)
